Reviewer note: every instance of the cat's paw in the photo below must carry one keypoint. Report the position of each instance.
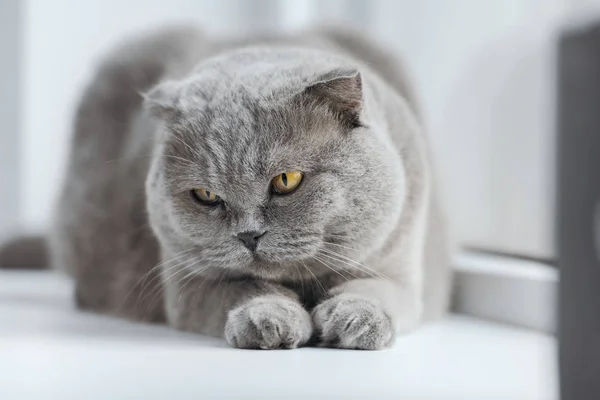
(353, 322)
(268, 322)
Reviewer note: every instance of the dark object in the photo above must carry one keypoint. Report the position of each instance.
(578, 197)
(24, 253)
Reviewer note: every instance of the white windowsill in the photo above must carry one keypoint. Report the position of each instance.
(50, 350)
(514, 291)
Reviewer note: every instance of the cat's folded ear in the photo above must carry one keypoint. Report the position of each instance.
(341, 91)
(162, 100)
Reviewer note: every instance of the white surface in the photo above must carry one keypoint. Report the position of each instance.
(484, 280)
(499, 265)
(48, 350)
(485, 70)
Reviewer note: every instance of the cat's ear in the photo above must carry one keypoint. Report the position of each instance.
(161, 101)
(341, 90)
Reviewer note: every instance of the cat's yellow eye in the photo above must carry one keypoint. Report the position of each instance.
(287, 182)
(204, 196)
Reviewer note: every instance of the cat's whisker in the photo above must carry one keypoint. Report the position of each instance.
(345, 264)
(176, 279)
(185, 160)
(114, 160)
(212, 282)
(194, 272)
(195, 152)
(220, 279)
(314, 276)
(300, 278)
(331, 268)
(157, 290)
(200, 286)
(168, 272)
(355, 264)
(312, 285)
(170, 277)
(146, 275)
(183, 282)
(358, 265)
(225, 291)
(337, 235)
(189, 268)
(187, 279)
(157, 276)
(339, 245)
(176, 257)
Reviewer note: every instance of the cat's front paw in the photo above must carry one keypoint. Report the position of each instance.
(353, 322)
(268, 322)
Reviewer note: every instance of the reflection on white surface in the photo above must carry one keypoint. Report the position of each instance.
(49, 350)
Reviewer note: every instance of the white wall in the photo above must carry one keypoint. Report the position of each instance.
(485, 70)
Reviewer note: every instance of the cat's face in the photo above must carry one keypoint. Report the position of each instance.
(262, 186)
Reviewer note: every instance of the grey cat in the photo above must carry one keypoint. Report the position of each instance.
(267, 190)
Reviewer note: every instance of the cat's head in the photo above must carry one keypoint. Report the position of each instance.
(266, 161)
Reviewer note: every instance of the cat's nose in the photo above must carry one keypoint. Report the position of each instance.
(250, 238)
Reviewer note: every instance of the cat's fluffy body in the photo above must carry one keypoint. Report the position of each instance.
(353, 256)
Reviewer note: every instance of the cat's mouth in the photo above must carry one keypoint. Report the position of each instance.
(273, 258)
(265, 269)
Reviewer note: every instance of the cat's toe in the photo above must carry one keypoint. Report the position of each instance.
(268, 322)
(353, 322)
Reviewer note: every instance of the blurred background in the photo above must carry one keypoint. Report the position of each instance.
(484, 72)
(494, 85)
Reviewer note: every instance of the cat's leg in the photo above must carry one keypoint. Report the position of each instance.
(367, 313)
(247, 313)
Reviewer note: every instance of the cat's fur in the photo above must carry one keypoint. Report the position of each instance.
(355, 255)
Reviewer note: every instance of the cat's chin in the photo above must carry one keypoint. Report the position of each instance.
(267, 269)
